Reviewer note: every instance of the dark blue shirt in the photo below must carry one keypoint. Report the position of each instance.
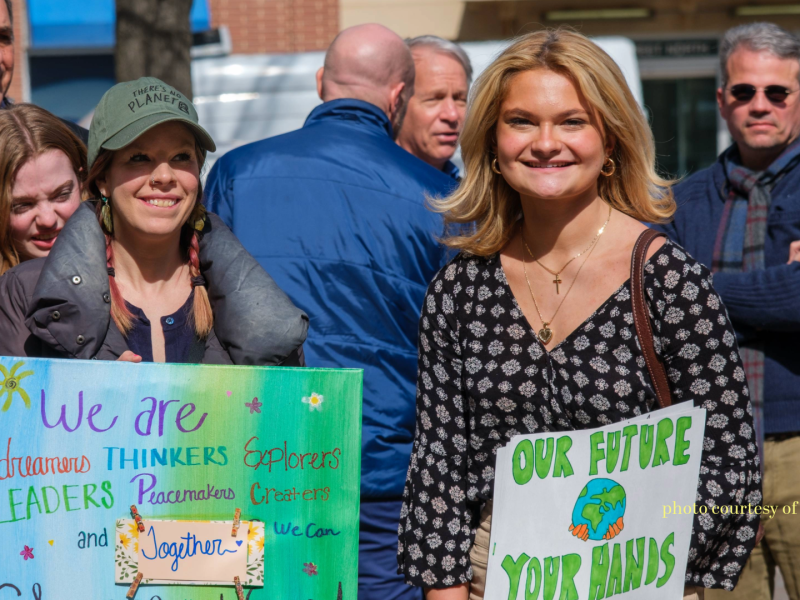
(452, 170)
(763, 304)
(179, 335)
(336, 213)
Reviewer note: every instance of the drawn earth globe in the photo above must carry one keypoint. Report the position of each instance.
(600, 504)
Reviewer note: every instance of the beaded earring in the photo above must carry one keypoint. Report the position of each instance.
(105, 215)
(198, 217)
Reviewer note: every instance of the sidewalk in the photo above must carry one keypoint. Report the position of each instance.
(780, 589)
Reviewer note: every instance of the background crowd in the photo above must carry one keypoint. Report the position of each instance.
(321, 247)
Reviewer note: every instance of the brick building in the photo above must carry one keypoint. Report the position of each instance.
(65, 53)
(676, 42)
(259, 26)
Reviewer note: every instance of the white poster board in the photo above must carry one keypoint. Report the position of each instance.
(580, 515)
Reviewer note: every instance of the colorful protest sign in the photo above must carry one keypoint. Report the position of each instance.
(579, 515)
(82, 441)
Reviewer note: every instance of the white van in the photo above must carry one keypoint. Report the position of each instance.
(244, 98)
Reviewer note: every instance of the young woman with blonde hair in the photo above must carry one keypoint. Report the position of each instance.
(530, 327)
(42, 167)
(141, 272)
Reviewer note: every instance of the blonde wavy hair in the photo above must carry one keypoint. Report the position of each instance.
(484, 200)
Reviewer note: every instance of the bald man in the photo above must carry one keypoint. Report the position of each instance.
(335, 212)
(367, 62)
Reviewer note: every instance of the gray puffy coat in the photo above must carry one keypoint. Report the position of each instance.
(59, 306)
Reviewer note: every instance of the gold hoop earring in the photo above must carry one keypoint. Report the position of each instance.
(495, 166)
(609, 161)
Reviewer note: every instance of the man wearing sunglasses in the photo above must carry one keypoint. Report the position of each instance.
(741, 218)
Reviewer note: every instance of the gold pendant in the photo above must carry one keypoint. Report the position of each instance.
(545, 333)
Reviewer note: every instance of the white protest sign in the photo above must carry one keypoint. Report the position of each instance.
(192, 550)
(579, 515)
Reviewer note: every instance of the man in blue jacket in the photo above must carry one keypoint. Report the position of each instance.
(741, 217)
(436, 112)
(335, 212)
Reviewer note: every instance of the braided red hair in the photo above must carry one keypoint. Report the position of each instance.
(123, 318)
(201, 310)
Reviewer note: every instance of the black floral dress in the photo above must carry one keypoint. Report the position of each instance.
(485, 377)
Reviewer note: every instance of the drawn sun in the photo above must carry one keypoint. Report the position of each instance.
(10, 385)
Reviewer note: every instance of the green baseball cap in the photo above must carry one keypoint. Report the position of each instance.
(129, 109)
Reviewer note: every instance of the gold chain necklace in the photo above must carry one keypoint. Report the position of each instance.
(558, 280)
(545, 334)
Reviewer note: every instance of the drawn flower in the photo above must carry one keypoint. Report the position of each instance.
(314, 402)
(124, 540)
(10, 384)
(252, 534)
(254, 406)
(133, 530)
(310, 569)
(260, 544)
(28, 552)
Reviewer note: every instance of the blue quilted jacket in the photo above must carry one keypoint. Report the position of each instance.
(335, 212)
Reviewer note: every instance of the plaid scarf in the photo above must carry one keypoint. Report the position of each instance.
(740, 247)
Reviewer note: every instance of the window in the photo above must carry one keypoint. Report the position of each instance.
(683, 116)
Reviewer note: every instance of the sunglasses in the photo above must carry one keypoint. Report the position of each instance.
(744, 92)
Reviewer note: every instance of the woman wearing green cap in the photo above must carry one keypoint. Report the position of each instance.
(143, 272)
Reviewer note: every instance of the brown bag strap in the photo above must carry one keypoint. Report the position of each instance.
(641, 318)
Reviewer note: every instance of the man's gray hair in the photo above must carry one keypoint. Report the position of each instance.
(444, 47)
(758, 37)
